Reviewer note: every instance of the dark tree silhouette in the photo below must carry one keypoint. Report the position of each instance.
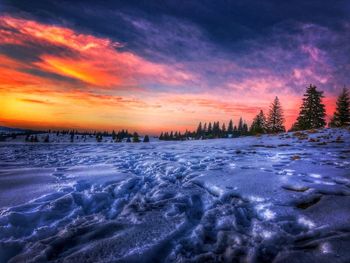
(230, 127)
(312, 112)
(259, 124)
(146, 138)
(341, 115)
(275, 118)
(135, 137)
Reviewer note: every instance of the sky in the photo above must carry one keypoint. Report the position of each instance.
(152, 66)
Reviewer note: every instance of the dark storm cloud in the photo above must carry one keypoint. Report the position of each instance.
(225, 23)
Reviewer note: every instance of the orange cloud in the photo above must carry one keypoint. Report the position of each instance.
(96, 61)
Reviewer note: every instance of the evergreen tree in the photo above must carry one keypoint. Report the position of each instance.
(312, 112)
(230, 127)
(210, 129)
(99, 137)
(128, 139)
(235, 131)
(199, 130)
(245, 129)
(146, 138)
(135, 137)
(161, 137)
(258, 124)
(275, 118)
(240, 126)
(342, 113)
(223, 130)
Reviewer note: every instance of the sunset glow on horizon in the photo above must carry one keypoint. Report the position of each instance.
(150, 75)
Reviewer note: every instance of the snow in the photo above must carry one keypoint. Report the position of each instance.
(282, 198)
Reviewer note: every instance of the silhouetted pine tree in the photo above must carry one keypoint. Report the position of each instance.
(230, 127)
(245, 130)
(312, 112)
(342, 113)
(235, 131)
(275, 118)
(146, 138)
(135, 137)
(199, 130)
(258, 124)
(99, 137)
(210, 130)
(240, 127)
(223, 131)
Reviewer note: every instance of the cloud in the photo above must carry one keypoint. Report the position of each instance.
(36, 101)
(89, 59)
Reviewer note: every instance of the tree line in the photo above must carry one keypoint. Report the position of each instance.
(312, 115)
(119, 136)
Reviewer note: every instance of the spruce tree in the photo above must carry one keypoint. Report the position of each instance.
(204, 128)
(199, 130)
(210, 131)
(312, 112)
(230, 127)
(135, 137)
(245, 129)
(223, 130)
(342, 113)
(275, 118)
(259, 124)
(240, 126)
(146, 138)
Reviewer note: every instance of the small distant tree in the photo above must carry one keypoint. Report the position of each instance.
(230, 127)
(146, 138)
(223, 130)
(312, 112)
(275, 118)
(161, 137)
(135, 137)
(99, 137)
(199, 130)
(210, 129)
(114, 135)
(128, 139)
(341, 115)
(258, 124)
(240, 126)
(47, 139)
(245, 129)
(205, 129)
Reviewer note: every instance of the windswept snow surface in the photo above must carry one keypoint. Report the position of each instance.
(283, 198)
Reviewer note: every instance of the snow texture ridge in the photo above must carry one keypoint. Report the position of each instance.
(282, 198)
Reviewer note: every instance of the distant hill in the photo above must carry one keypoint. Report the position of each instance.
(6, 130)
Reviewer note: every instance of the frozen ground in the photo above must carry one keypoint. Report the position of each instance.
(279, 198)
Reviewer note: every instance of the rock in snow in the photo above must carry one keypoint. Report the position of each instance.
(224, 200)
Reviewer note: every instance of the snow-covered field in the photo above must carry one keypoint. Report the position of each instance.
(282, 198)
